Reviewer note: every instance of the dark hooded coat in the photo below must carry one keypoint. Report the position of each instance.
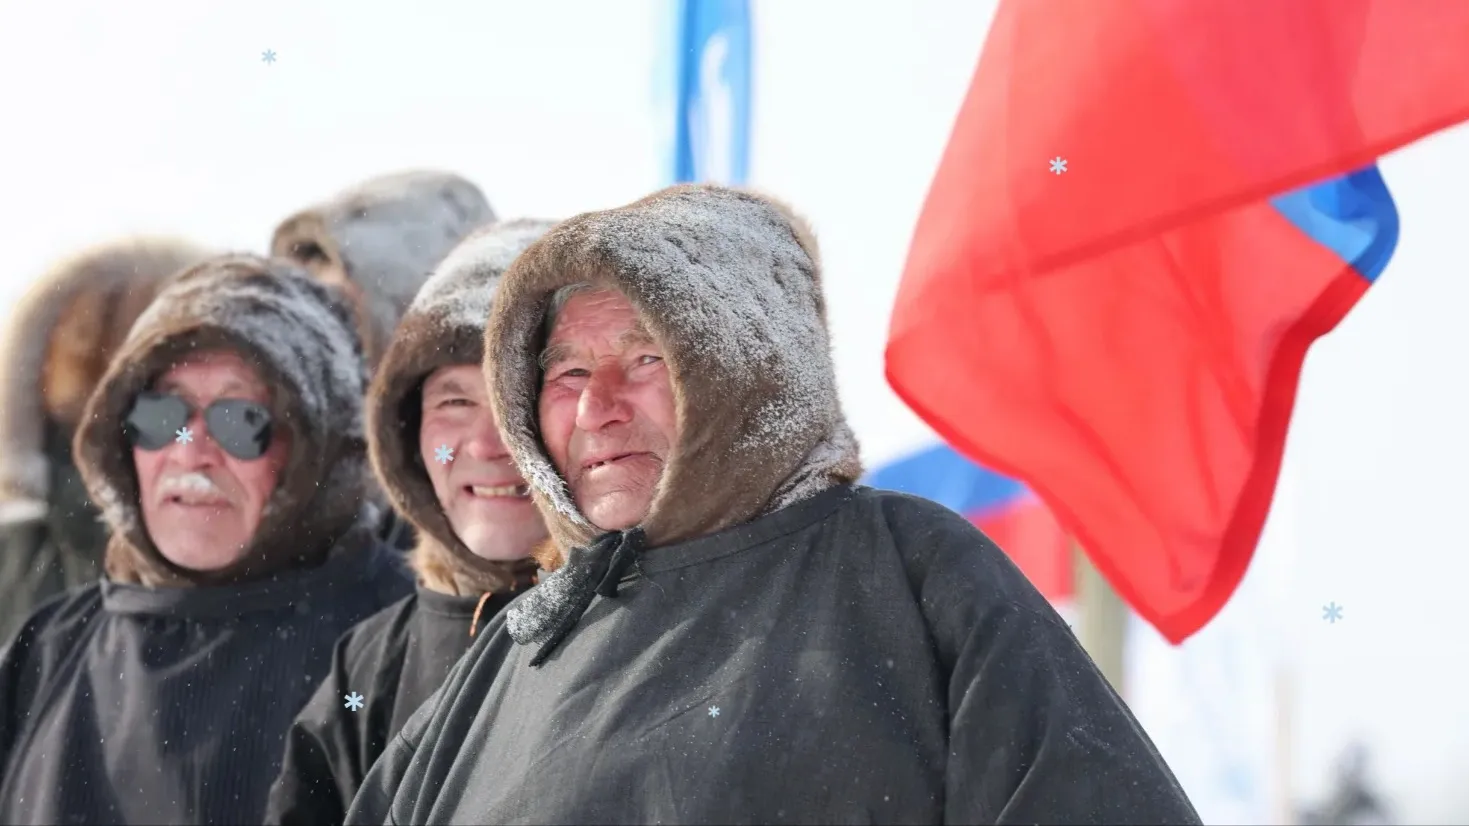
(398, 657)
(772, 644)
(376, 242)
(58, 343)
(161, 695)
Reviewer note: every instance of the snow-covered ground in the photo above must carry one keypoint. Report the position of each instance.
(161, 115)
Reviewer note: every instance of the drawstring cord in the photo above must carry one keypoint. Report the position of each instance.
(474, 624)
(485, 597)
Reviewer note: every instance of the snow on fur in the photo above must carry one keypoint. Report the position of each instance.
(463, 285)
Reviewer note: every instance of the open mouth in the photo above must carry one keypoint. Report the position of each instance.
(498, 491)
(608, 461)
(196, 501)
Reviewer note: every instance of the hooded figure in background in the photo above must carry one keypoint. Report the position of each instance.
(58, 343)
(225, 446)
(439, 456)
(377, 242)
(734, 632)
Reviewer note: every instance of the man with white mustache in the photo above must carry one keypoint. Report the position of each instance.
(440, 457)
(225, 447)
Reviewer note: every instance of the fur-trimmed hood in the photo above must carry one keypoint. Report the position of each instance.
(299, 334)
(379, 240)
(728, 283)
(57, 345)
(443, 326)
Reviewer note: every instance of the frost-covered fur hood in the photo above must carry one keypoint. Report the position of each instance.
(57, 344)
(728, 282)
(379, 240)
(443, 326)
(299, 334)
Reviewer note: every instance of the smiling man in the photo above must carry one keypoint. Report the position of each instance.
(438, 454)
(225, 446)
(734, 632)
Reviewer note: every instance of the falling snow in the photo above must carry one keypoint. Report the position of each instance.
(354, 701)
(184, 435)
(444, 454)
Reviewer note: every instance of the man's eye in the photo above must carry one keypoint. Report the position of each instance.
(649, 359)
(455, 403)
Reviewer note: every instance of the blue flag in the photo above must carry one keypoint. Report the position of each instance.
(712, 138)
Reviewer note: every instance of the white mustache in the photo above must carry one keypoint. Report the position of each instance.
(191, 482)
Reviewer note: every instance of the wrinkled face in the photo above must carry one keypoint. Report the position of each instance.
(606, 408)
(477, 485)
(201, 505)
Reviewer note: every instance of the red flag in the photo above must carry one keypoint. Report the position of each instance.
(1101, 298)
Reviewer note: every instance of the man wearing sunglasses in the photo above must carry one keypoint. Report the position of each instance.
(225, 447)
(440, 457)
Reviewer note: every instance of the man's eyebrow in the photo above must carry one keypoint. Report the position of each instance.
(553, 354)
(631, 337)
(634, 336)
(444, 387)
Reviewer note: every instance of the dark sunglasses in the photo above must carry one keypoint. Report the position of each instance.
(241, 428)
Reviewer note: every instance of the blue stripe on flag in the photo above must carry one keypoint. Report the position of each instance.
(948, 478)
(1353, 216)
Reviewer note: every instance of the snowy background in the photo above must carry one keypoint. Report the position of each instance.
(161, 116)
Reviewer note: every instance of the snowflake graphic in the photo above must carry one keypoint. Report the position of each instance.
(268, 56)
(354, 701)
(444, 454)
(183, 436)
(1331, 613)
(714, 711)
(1058, 165)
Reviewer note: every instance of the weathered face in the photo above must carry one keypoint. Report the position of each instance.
(478, 486)
(606, 408)
(201, 505)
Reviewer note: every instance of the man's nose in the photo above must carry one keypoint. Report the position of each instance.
(602, 399)
(194, 447)
(484, 443)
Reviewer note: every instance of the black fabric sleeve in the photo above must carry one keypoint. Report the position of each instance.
(1036, 733)
(320, 771)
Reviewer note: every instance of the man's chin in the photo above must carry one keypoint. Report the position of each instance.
(616, 510)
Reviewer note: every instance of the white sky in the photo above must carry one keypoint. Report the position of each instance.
(160, 116)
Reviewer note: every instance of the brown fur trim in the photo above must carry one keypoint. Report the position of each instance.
(299, 334)
(379, 240)
(728, 283)
(60, 339)
(444, 326)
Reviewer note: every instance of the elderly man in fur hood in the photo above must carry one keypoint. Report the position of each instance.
(57, 345)
(438, 454)
(225, 445)
(734, 631)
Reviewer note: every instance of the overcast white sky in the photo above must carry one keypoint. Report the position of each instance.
(160, 116)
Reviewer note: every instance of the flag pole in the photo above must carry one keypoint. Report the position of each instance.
(1102, 617)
